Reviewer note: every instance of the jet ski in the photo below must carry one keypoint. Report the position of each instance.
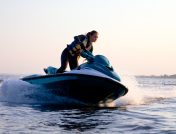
(93, 82)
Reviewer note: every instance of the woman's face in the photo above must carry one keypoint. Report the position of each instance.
(94, 37)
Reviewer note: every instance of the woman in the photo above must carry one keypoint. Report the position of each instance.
(81, 46)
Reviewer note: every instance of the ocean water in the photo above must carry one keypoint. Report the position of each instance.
(149, 107)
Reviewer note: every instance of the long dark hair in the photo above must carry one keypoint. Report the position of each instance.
(90, 34)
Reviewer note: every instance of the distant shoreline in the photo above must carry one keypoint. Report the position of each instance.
(156, 76)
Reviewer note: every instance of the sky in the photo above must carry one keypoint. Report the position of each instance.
(137, 36)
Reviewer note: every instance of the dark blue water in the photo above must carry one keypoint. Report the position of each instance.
(149, 107)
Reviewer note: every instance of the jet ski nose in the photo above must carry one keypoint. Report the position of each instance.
(106, 67)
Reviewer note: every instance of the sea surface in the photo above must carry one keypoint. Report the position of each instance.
(148, 108)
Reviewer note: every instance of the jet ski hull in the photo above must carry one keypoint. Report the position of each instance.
(89, 89)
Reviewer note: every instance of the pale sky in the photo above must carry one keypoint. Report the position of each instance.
(137, 36)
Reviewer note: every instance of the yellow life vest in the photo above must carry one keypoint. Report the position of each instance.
(76, 47)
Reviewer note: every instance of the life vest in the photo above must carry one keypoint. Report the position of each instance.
(78, 45)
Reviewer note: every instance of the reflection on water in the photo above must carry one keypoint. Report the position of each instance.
(83, 120)
(79, 119)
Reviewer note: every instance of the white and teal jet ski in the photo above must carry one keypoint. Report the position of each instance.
(93, 82)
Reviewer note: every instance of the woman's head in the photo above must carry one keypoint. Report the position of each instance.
(93, 36)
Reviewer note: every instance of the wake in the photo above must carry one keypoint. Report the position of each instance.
(139, 95)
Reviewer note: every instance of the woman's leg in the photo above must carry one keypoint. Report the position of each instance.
(64, 61)
(73, 62)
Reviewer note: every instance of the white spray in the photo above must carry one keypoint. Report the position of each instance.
(138, 95)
